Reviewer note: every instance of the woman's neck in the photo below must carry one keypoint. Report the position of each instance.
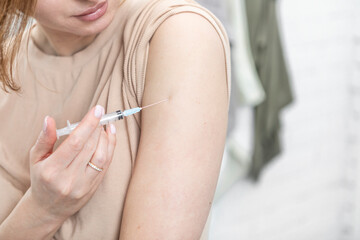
(59, 44)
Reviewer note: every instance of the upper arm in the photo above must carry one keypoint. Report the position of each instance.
(182, 140)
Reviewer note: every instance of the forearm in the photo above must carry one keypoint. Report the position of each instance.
(29, 221)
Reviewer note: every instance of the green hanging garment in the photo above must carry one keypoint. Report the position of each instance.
(270, 65)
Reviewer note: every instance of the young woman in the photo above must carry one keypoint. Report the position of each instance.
(80, 59)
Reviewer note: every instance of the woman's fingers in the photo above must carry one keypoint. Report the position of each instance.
(81, 160)
(111, 132)
(45, 142)
(98, 161)
(104, 153)
(111, 137)
(74, 144)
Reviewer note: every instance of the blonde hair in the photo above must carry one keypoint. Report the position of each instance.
(14, 19)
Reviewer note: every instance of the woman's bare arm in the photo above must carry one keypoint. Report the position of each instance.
(29, 221)
(182, 140)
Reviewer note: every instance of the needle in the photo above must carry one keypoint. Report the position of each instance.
(154, 103)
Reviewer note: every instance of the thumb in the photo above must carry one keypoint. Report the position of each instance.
(45, 142)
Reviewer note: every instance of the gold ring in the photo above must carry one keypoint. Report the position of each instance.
(95, 167)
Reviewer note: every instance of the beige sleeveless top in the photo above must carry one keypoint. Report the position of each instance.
(110, 72)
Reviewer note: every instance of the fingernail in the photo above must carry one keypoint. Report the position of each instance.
(112, 128)
(45, 124)
(99, 111)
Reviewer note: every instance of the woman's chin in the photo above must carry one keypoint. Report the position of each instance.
(87, 28)
(92, 28)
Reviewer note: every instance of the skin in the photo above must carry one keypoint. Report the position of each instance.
(181, 143)
(182, 140)
(60, 32)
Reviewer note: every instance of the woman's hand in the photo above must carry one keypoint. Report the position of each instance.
(62, 182)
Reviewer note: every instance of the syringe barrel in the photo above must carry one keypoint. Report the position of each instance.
(111, 117)
(107, 118)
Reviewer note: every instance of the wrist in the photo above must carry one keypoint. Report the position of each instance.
(28, 220)
(42, 214)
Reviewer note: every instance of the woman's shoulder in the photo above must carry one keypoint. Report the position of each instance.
(145, 14)
(145, 17)
(166, 16)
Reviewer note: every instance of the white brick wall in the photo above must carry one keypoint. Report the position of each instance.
(312, 191)
(354, 124)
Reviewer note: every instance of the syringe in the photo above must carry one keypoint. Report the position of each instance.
(107, 118)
